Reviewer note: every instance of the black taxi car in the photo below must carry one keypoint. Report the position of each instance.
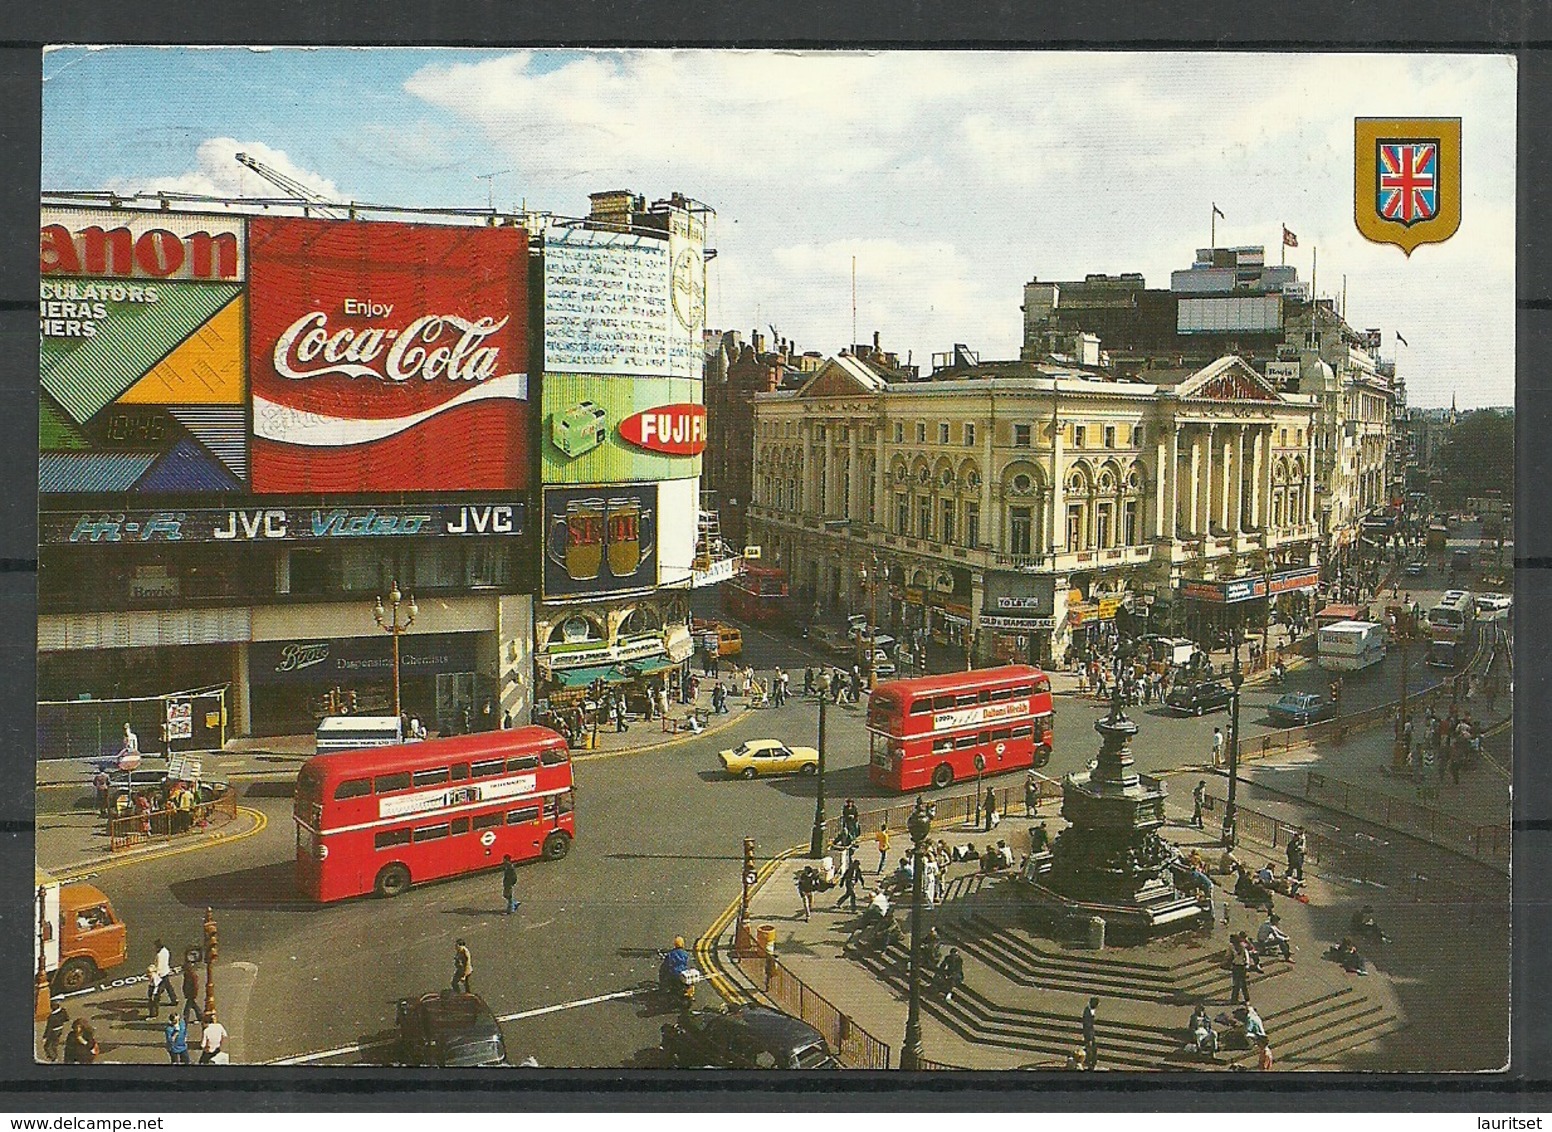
(1194, 699)
(745, 1037)
(448, 1029)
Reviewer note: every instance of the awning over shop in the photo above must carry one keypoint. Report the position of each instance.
(645, 667)
(582, 677)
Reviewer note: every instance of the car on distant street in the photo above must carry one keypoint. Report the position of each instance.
(755, 757)
(1194, 699)
(831, 639)
(745, 1037)
(446, 1029)
(1299, 708)
(1494, 607)
(1416, 568)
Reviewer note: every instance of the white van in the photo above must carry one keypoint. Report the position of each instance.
(1350, 646)
(353, 732)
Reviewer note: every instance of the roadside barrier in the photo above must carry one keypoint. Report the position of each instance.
(1487, 842)
(959, 808)
(168, 825)
(853, 1046)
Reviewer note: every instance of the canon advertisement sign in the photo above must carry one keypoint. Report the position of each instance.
(387, 357)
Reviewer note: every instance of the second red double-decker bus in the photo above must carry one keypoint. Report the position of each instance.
(384, 818)
(928, 731)
(758, 595)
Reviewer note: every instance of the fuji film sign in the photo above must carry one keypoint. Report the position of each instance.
(677, 430)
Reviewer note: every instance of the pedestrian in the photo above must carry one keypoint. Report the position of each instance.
(54, 1028)
(509, 884)
(162, 970)
(1295, 853)
(808, 680)
(176, 1036)
(1239, 967)
(1031, 795)
(1039, 840)
(881, 839)
(1217, 746)
(1090, 1039)
(190, 989)
(991, 809)
(1264, 1054)
(212, 1036)
(1198, 801)
(850, 879)
(81, 1041)
(463, 966)
(805, 885)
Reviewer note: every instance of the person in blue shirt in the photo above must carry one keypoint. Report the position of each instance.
(675, 963)
(176, 1033)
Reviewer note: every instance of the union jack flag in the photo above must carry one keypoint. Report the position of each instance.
(1408, 181)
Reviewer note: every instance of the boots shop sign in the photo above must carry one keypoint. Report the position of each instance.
(387, 357)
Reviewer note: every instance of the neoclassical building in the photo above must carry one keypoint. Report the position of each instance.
(1017, 508)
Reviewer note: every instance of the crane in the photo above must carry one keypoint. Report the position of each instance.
(308, 199)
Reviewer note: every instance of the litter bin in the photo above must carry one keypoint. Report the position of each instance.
(765, 938)
(1097, 933)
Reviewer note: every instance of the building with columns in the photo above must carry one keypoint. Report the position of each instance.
(1021, 508)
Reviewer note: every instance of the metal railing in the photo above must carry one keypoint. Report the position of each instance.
(1486, 842)
(1357, 862)
(167, 825)
(951, 810)
(853, 1046)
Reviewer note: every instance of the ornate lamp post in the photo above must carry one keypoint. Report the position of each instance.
(816, 841)
(388, 621)
(1400, 755)
(919, 825)
(40, 1009)
(1236, 678)
(212, 948)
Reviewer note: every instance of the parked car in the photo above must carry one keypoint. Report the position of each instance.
(446, 1029)
(831, 639)
(745, 1037)
(1299, 708)
(755, 757)
(1416, 568)
(1194, 699)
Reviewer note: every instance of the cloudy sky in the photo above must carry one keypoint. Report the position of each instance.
(952, 178)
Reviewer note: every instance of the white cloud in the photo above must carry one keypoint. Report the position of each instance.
(217, 172)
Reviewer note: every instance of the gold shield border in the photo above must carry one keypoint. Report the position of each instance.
(1366, 135)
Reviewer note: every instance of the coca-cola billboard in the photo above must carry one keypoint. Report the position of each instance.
(387, 357)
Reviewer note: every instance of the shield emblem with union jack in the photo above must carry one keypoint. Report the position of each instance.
(1406, 180)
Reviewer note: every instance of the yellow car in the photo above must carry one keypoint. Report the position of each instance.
(768, 756)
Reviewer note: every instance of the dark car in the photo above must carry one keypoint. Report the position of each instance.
(448, 1029)
(1194, 699)
(745, 1037)
(1299, 708)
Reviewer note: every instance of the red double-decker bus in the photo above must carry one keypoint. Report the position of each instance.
(928, 731)
(384, 818)
(758, 595)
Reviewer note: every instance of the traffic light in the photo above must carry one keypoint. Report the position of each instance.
(750, 872)
(350, 700)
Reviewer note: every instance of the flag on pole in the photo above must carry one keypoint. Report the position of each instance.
(1400, 339)
(1289, 239)
(1218, 211)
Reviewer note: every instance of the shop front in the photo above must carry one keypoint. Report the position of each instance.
(295, 683)
(1213, 608)
(634, 651)
(1017, 620)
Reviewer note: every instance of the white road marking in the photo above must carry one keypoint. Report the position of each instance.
(567, 1005)
(359, 1047)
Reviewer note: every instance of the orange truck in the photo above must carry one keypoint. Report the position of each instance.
(78, 934)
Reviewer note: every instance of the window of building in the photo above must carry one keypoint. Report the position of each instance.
(1077, 436)
(1282, 438)
(361, 569)
(1021, 435)
(899, 432)
(902, 515)
(1110, 436)
(946, 526)
(1102, 525)
(972, 524)
(924, 518)
(921, 432)
(1020, 530)
(969, 433)
(1129, 523)
(819, 432)
(487, 564)
(1137, 436)
(942, 432)
(1075, 531)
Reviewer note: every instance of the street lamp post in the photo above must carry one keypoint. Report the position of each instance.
(919, 825)
(388, 621)
(41, 988)
(816, 841)
(1400, 756)
(212, 949)
(1236, 678)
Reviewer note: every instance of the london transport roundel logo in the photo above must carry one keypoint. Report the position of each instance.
(676, 430)
(488, 838)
